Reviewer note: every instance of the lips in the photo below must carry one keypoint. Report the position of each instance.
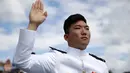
(84, 38)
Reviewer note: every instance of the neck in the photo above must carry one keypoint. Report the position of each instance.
(78, 47)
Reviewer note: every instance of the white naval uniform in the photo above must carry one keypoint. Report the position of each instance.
(75, 61)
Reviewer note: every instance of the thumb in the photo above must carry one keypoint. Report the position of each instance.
(45, 13)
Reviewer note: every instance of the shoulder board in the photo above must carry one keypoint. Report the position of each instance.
(97, 57)
(58, 50)
(33, 53)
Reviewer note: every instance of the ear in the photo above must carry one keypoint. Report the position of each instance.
(66, 37)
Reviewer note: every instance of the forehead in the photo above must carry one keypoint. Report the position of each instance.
(80, 23)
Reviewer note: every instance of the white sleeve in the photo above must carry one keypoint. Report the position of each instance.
(28, 62)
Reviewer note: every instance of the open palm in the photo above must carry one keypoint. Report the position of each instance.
(37, 14)
(7, 66)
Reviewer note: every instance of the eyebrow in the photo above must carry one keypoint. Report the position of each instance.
(80, 26)
(86, 26)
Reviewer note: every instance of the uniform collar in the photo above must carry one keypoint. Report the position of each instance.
(75, 51)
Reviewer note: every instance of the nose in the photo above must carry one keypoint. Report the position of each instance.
(84, 31)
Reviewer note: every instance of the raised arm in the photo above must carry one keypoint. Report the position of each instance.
(23, 58)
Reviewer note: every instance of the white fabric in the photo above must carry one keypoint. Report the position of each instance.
(75, 61)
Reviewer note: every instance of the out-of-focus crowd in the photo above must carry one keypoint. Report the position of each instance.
(7, 67)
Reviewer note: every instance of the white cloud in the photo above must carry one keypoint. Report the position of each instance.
(8, 41)
(50, 39)
(126, 67)
(116, 33)
(12, 12)
(52, 11)
(2, 30)
(50, 35)
(15, 11)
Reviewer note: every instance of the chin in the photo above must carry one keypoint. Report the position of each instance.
(85, 43)
(83, 48)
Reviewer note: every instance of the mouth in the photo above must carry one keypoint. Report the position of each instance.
(84, 38)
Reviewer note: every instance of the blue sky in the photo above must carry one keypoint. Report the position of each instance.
(108, 21)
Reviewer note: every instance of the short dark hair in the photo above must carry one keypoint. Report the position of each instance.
(71, 20)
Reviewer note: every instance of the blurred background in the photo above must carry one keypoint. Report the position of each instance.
(109, 22)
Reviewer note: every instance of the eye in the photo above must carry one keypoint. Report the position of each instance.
(87, 28)
(77, 28)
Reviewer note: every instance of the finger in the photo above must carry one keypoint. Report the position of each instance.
(32, 6)
(38, 4)
(45, 14)
(41, 5)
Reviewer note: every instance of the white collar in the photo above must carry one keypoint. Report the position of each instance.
(75, 52)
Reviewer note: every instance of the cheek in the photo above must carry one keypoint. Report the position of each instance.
(89, 34)
(74, 35)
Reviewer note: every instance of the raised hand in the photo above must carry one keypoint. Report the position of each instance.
(7, 66)
(37, 15)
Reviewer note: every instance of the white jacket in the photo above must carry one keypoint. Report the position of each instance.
(75, 61)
